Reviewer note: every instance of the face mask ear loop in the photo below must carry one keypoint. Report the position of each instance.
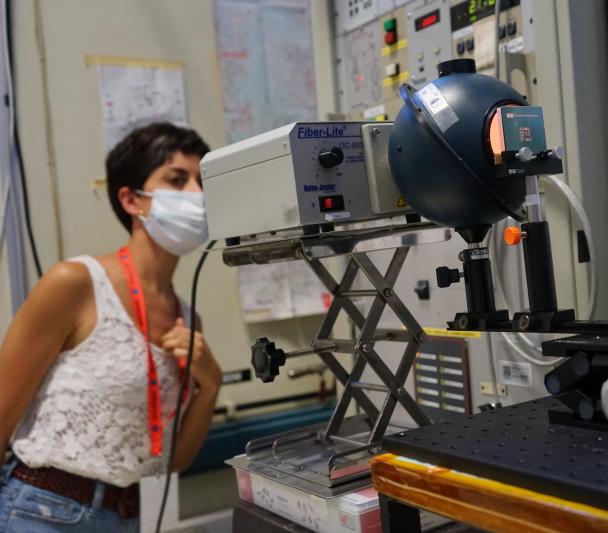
(145, 194)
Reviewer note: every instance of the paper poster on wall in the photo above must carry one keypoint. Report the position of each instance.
(266, 61)
(281, 290)
(135, 93)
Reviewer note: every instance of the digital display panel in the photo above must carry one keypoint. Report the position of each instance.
(470, 11)
(426, 21)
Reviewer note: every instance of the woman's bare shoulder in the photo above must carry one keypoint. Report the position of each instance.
(59, 296)
(72, 273)
(67, 278)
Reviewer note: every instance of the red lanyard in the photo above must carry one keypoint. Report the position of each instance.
(155, 422)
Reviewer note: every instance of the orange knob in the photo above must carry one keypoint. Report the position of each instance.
(512, 235)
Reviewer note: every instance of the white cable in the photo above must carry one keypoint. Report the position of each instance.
(577, 207)
(493, 374)
(509, 338)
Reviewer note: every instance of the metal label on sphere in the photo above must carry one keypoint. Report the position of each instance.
(438, 106)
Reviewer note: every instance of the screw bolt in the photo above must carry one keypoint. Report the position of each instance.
(523, 322)
(388, 292)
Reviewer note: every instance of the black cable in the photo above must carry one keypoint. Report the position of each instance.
(24, 189)
(26, 204)
(185, 379)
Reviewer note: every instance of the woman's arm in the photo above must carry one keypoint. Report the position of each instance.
(207, 375)
(197, 420)
(35, 338)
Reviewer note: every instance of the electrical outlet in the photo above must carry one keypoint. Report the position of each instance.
(487, 388)
(502, 390)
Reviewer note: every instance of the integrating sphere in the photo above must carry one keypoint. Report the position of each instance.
(439, 151)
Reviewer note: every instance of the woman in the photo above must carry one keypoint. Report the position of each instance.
(90, 366)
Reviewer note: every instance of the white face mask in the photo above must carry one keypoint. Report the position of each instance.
(177, 220)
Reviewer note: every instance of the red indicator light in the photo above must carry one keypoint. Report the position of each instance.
(328, 203)
(390, 38)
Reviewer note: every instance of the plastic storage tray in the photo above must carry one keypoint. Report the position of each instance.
(356, 512)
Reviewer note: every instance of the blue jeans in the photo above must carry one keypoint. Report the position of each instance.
(24, 508)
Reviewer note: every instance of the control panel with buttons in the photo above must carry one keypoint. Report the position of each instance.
(403, 41)
(333, 181)
(473, 20)
(428, 28)
(390, 31)
(473, 24)
(394, 58)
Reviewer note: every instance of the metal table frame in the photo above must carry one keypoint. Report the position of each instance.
(328, 459)
(363, 346)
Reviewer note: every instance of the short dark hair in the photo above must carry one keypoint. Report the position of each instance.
(132, 160)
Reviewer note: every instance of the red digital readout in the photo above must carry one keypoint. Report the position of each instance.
(427, 20)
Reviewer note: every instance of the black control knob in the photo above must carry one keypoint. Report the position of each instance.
(331, 158)
(446, 276)
(422, 289)
(266, 359)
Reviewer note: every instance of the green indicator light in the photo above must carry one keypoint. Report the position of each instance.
(390, 24)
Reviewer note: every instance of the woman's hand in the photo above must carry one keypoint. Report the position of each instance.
(205, 368)
(208, 376)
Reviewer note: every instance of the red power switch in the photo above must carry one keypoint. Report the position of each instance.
(390, 38)
(328, 203)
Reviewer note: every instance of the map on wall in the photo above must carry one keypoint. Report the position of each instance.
(266, 60)
(281, 290)
(136, 92)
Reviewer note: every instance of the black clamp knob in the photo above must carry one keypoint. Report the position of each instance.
(446, 276)
(266, 359)
(422, 289)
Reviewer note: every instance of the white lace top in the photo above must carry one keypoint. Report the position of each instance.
(90, 415)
